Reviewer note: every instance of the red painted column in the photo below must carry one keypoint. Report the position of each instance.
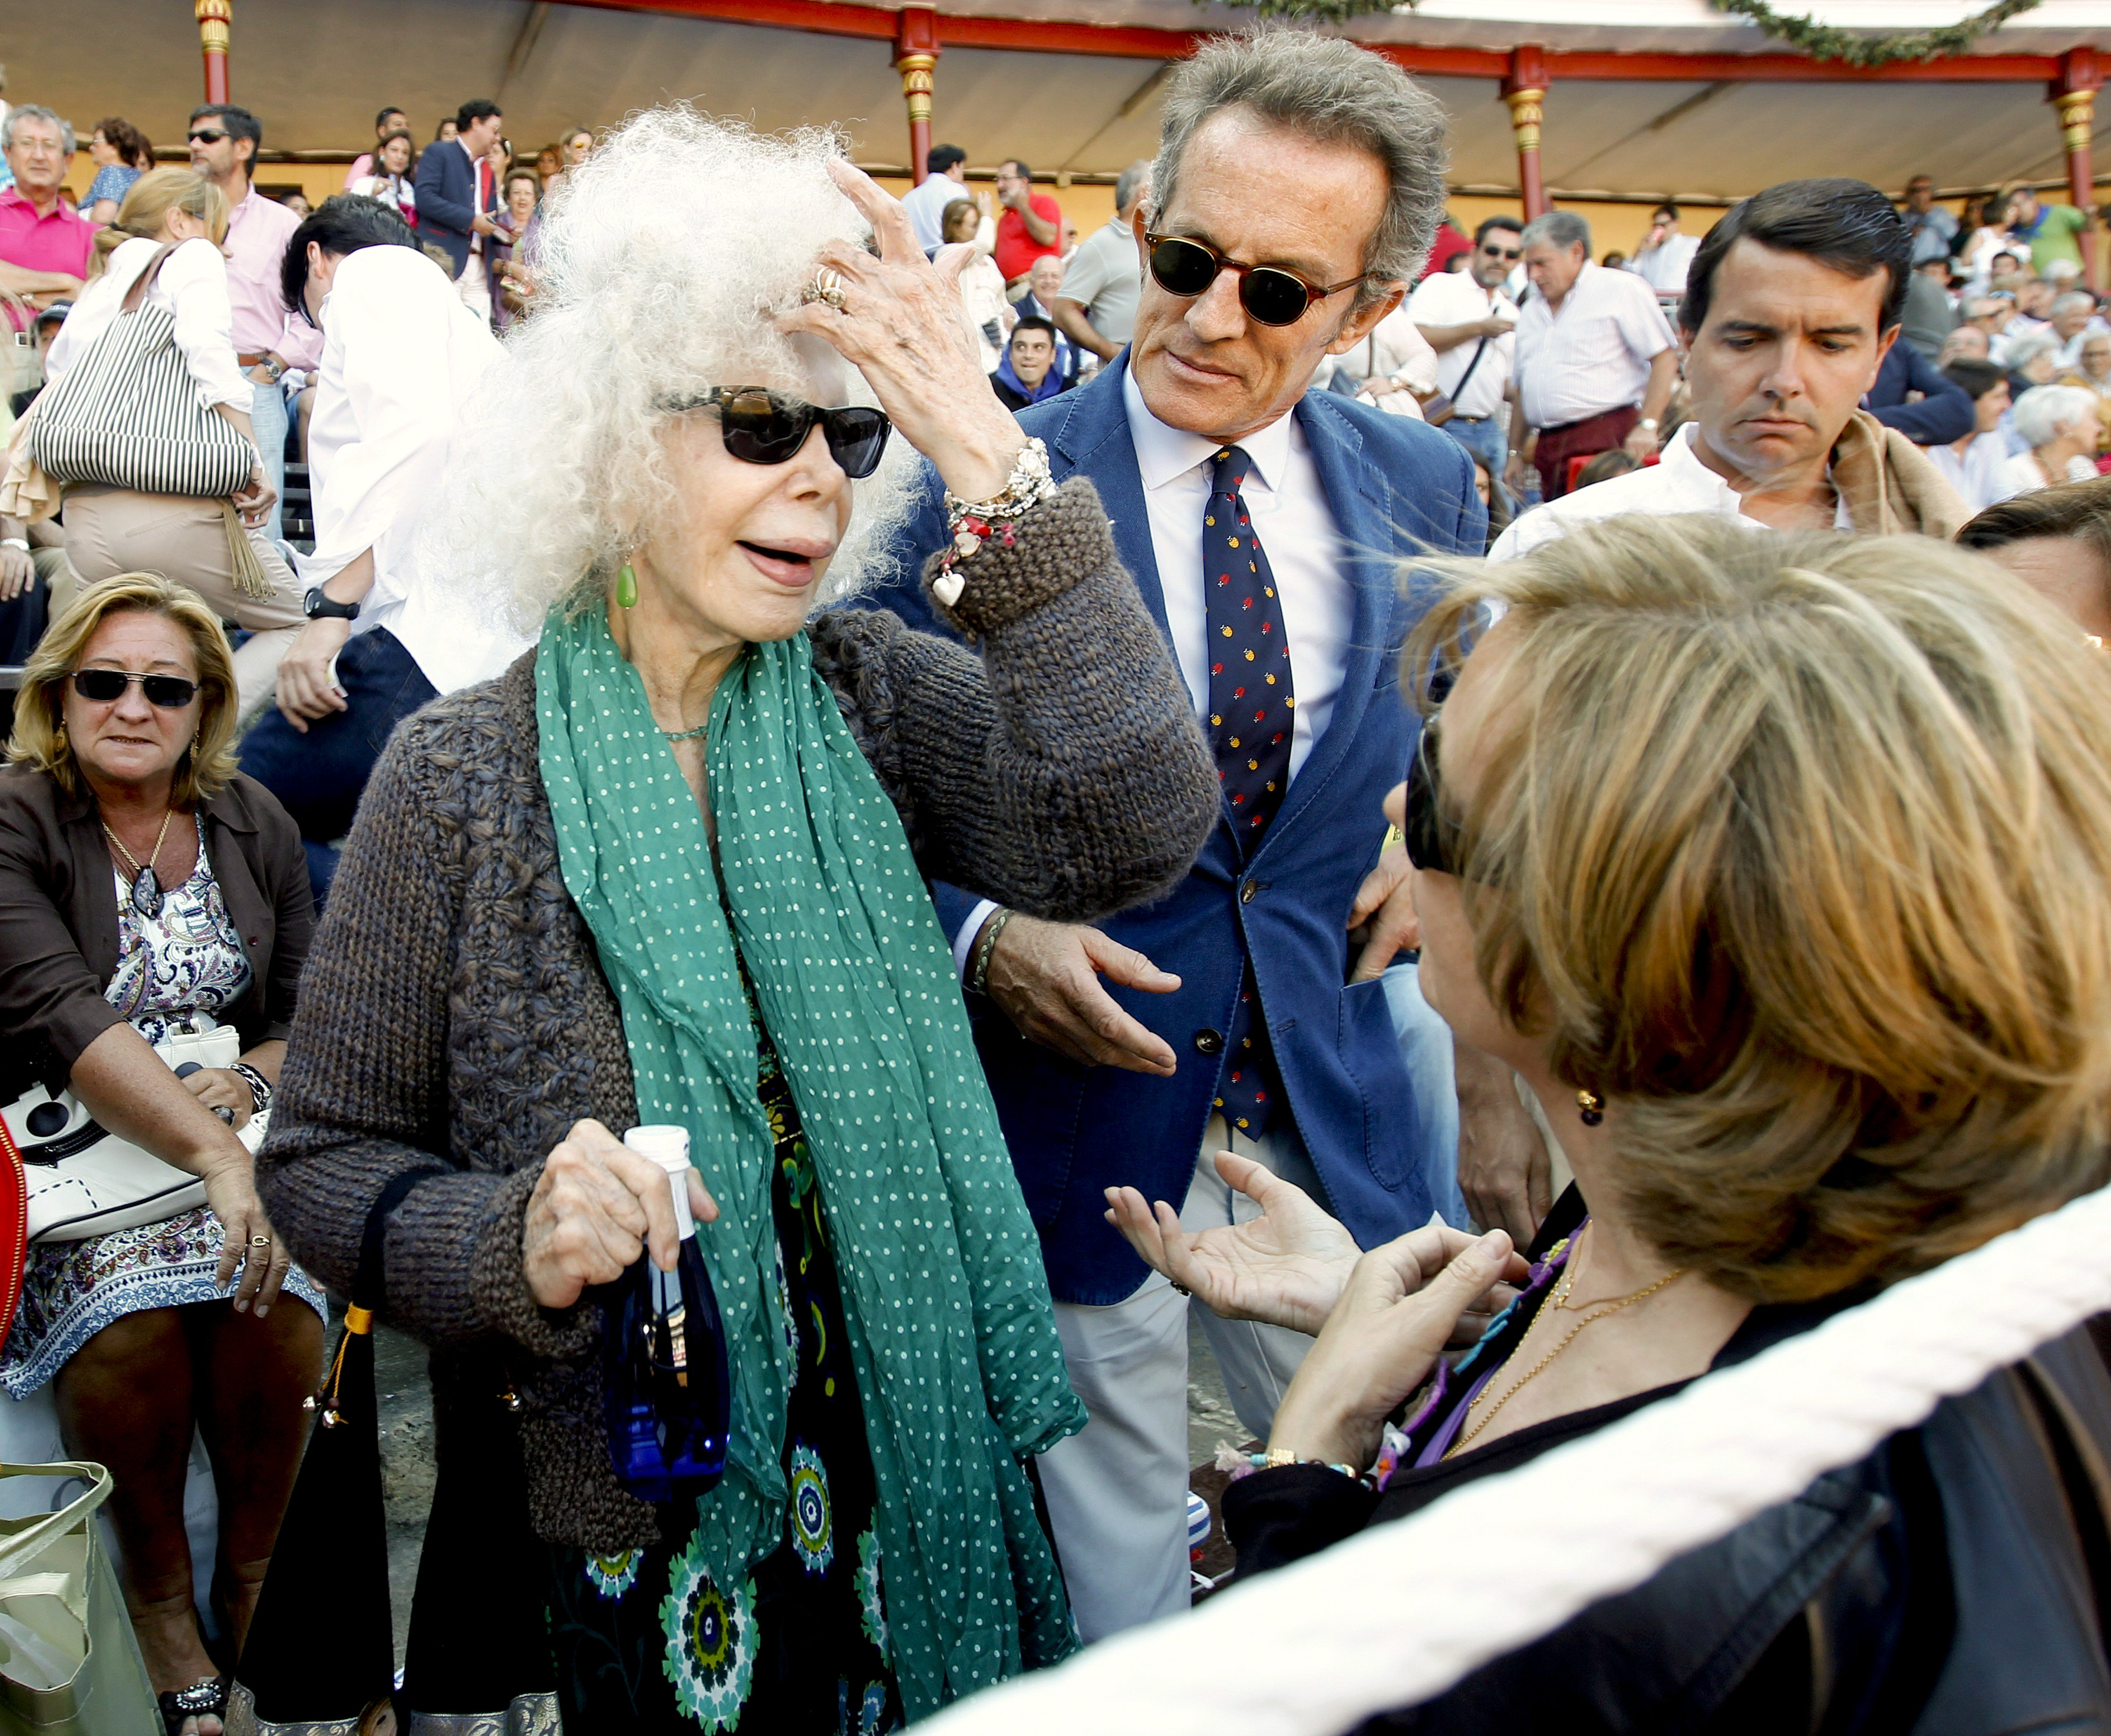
(916, 53)
(213, 18)
(1524, 90)
(2075, 96)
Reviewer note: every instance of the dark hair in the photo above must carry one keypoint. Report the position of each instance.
(1843, 223)
(1025, 173)
(383, 114)
(440, 132)
(2081, 510)
(1605, 466)
(1666, 210)
(387, 139)
(344, 223)
(939, 158)
(476, 108)
(239, 122)
(1034, 323)
(1976, 377)
(133, 150)
(1498, 222)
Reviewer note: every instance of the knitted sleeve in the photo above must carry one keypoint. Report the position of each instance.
(366, 1092)
(1061, 770)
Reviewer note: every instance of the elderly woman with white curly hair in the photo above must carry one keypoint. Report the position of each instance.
(670, 868)
(2060, 427)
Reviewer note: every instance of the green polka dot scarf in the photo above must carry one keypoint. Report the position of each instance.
(952, 1334)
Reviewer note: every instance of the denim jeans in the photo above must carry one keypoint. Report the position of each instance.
(1425, 1046)
(318, 777)
(267, 423)
(1484, 438)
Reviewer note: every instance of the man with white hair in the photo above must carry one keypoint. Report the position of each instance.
(2074, 316)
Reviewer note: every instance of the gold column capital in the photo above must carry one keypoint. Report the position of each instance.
(214, 17)
(916, 83)
(1525, 116)
(2077, 117)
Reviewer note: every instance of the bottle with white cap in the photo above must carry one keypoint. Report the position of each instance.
(667, 1392)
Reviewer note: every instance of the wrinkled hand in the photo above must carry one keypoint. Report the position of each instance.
(306, 690)
(18, 573)
(222, 1088)
(1400, 1308)
(1286, 1267)
(1385, 908)
(230, 1189)
(596, 1207)
(899, 326)
(1044, 977)
(1503, 1170)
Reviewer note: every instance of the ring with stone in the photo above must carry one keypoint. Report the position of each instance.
(827, 286)
(259, 1241)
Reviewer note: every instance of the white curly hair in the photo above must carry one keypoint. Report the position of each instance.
(660, 262)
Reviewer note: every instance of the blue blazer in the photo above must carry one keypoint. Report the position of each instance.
(446, 186)
(1944, 412)
(1397, 487)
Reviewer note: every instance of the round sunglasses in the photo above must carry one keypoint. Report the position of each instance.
(100, 687)
(762, 427)
(1272, 295)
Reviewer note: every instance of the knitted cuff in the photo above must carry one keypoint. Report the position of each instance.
(1062, 541)
(498, 1281)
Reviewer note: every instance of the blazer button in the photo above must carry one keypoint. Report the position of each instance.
(1247, 892)
(1210, 1042)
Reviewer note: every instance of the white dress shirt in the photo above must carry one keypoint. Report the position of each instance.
(1395, 349)
(401, 353)
(1677, 481)
(1453, 298)
(1980, 476)
(192, 286)
(1592, 356)
(926, 203)
(1287, 507)
(1664, 268)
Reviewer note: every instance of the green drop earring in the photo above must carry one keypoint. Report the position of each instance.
(626, 588)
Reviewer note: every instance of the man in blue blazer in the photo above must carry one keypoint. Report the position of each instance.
(457, 195)
(1265, 526)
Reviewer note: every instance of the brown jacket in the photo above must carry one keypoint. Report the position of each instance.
(58, 919)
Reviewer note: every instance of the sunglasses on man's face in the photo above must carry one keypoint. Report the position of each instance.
(1504, 252)
(762, 427)
(1435, 844)
(1271, 295)
(206, 138)
(102, 686)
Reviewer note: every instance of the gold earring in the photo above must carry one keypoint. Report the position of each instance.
(1590, 1106)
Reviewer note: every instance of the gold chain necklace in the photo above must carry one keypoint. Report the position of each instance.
(145, 886)
(1559, 1298)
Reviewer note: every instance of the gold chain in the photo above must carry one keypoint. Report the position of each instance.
(1559, 1298)
(133, 861)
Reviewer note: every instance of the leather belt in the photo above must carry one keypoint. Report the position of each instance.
(250, 358)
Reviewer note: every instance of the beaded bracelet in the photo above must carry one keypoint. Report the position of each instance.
(979, 963)
(259, 1087)
(1242, 1464)
(974, 522)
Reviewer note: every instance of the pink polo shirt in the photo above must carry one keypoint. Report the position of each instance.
(61, 240)
(256, 237)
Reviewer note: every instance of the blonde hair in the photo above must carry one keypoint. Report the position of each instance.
(39, 738)
(1798, 849)
(152, 196)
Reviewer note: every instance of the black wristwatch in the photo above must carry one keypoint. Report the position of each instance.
(319, 607)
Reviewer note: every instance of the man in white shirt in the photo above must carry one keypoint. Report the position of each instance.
(1795, 298)
(401, 353)
(1096, 310)
(1594, 358)
(1472, 325)
(945, 179)
(1665, 254)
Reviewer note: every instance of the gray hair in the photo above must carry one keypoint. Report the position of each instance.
(34, 111)
(2028, 348)
(2045, 412)
(661, 263)
(2075, 300)
(1333, 90)
(1130, 182)
(1559, 228)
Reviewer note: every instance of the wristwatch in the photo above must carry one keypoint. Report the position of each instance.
(274, 367)
(319, 607)
(1647, 424)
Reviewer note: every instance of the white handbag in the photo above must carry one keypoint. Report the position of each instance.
(83, 1180)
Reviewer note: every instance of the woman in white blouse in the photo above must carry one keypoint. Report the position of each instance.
(395, 163)
(123, 530)
(989, 316)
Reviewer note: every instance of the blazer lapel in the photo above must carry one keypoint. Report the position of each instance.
(1094, 437)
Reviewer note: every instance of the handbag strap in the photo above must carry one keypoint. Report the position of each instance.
(368, 1281)
(19, 1549)
(137, 294)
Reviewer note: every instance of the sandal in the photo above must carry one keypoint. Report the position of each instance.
(207, 1697)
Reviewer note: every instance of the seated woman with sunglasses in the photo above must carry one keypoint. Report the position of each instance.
(670, 868)
(1778, 867)
(147, 888)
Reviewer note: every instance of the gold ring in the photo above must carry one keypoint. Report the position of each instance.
(827, 286)
(259, 1241)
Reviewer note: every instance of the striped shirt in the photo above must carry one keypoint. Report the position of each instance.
(1594, 355)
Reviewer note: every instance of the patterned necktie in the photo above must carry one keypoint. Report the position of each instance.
(1252, 704)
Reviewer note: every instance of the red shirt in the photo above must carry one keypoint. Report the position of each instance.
(1016, 250)
(1447, 246)
(59, 241)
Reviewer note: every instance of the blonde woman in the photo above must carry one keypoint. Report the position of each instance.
(1780, 868)
(146, 885)
(111, 530)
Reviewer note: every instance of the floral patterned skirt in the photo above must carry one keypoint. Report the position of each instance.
(647, 1642)
(71, 1290)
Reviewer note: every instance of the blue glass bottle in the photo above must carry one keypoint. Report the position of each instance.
(668, 1396)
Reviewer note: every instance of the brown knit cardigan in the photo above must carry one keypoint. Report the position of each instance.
(454, 1015)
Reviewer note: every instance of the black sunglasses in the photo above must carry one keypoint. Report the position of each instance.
(1272, 295)
(1503, 252)
(100, 687)
(1434, 843)
(205, 138)
(762, 427)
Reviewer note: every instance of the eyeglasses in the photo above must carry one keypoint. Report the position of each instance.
(205, 138)
(1272, 295)
(100, 687)
(762, 427)
(1434, 843)
(1504, 252)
